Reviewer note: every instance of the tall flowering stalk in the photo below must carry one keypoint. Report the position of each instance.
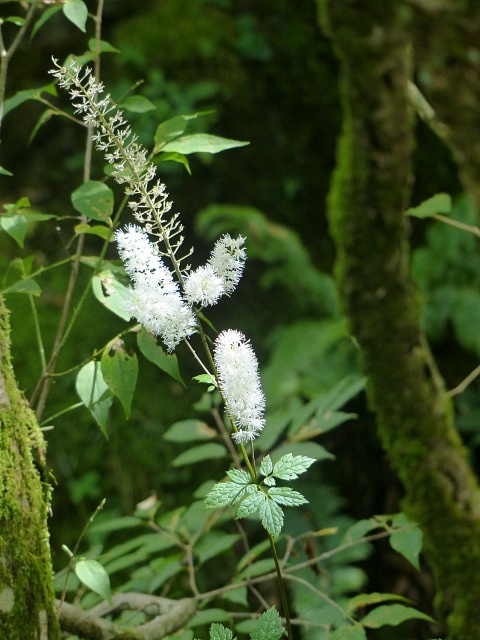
(166, 297)
(166, 300)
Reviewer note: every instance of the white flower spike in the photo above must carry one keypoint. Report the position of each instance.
(239, 381)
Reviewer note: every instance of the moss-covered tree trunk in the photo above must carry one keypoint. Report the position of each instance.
(27, 610)
(369, 194)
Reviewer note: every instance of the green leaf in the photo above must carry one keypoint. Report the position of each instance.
(286, 496)
(46, 15)
(120, 372)
(28, 286)
(439, 203)
(348, 633)
(94, 199)
(224, 494)
(16, 20)
(207, 616)
(180, 158)
(308, 449)
(189, 431)
(138, 104)
(154, 353)
(214, 543)
(97, 230)
(408, 540)
(101, 46)
(219, 632)
(393, 615)
(77, 12)
(94, 576)
(366, 599)
(289, 467)
(111, 293)
(19, 98)
(202, 452)
(202, 143)
(15, 222)
(361, 528)
(5, 172)
(94, 393)
(271, 516)
(171, 129)
(266, 466)
(239, 476)
(206, 378)
(252, 503)
(268, 627)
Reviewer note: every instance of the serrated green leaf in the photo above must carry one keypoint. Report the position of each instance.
(408, 540)
(138, 104)
(393, 615)
(94, 199)
(94, 393)
(77, 12)
(271, 516)
(266, 466)
(189, 431)
(289, 467)
(120, 372)
(239, 476)
(154, 353)
(439, 203)
(286, 496)
(309, 449)
(224, 494)
(268, 627)
(202, 143)
(206, 378)
(251, 504)
(94, 576)
(202, 452)
(219, 632)
(111, 293)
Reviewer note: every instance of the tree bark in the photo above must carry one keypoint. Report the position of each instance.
(27, 606)
(369, 194)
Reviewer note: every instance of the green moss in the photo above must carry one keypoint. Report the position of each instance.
(369, 195)
(26, 586)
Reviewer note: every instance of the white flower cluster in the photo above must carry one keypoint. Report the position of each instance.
(239, 381)
(155, 300)
(220, 275)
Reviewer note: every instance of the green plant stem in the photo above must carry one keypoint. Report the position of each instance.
(281, 586)
(458, 225)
